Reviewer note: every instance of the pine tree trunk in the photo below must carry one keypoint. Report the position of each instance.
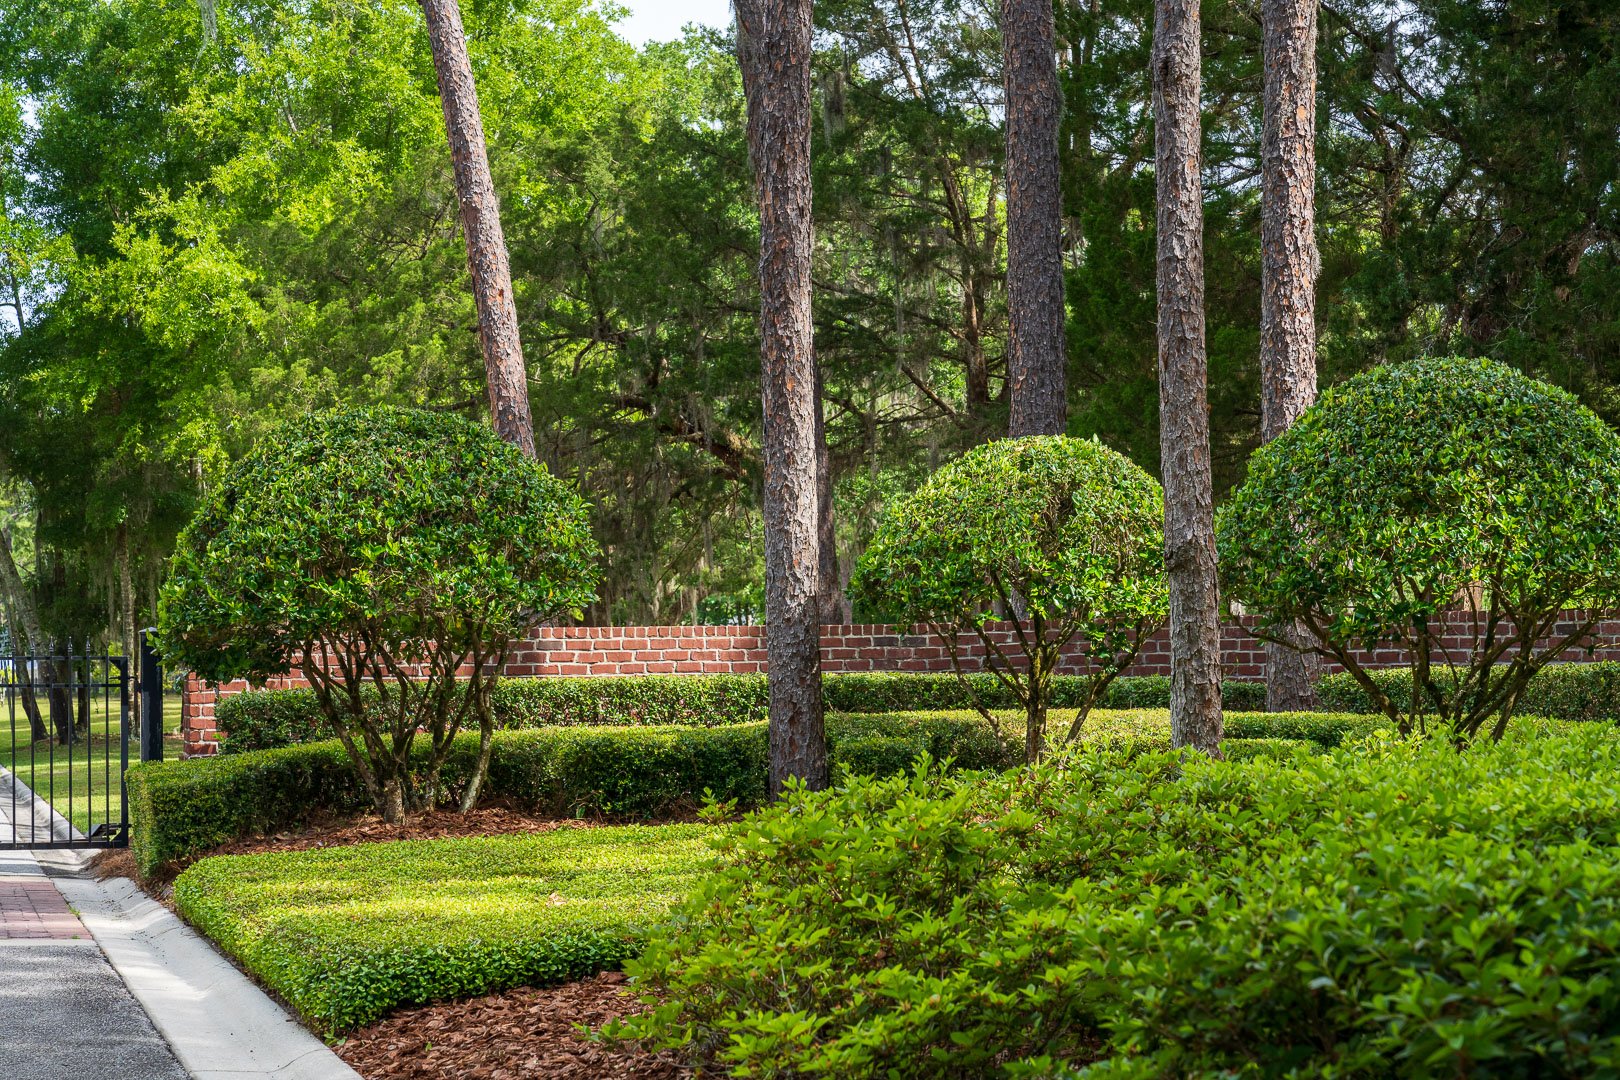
(1288, 269)
(1189, 527)
(773, 51)
(1036, 357)
(481, 220)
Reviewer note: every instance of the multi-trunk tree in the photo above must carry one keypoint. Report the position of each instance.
(774, 52)
(1288, 269)
(1189, 525)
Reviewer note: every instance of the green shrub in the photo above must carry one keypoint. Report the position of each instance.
(345, 934)
(180, 809)
(268, 719)
(1576, 691)
(384, 549)
(1065, 532)
(1418, 488)
(262, 719)
(1399, 910)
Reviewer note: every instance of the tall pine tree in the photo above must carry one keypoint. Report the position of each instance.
(774, 50)
(1189, 514)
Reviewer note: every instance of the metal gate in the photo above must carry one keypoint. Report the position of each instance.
(66, 743)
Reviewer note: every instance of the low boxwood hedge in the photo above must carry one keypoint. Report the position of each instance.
(183, 808)
(344, 934)
(1571, 691)
(1406, 910)
(264, 719)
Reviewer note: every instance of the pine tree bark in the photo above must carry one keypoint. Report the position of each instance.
(1189, 525)
(1036, 354)
(1288, 269)
(487, 260)
(773, 51)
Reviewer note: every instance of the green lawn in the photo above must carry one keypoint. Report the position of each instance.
(345, 934)
(81, 780)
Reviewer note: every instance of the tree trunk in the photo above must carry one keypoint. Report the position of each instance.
(23, 616)
(1288, 269)
(126, 623)
(773, 51)
(60, 693)
(481, 219)
(1189, 526)
(1036, 357)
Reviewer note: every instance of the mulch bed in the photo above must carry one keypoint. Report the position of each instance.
(519, 1035)
(522, 1034)
(371, 829)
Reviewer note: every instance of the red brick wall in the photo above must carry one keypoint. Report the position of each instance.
(595, 651)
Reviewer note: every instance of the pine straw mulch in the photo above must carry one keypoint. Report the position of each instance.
(518, 1035)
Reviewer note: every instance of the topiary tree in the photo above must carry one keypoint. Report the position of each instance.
(379, 548)
(1412, 491)
(1064, 532)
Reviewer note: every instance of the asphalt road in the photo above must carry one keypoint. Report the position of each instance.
(66, 1015)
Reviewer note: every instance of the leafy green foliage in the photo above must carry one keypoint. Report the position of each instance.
(1063, 531)
(212, 235)
(264, 719)
(180, 809)
(347, 933)
(1423, 487)
(400, 545)
(1366, 912)
(1576, 691)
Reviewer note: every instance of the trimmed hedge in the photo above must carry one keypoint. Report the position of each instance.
(345, 934)
(179, 809)
(1569, 691)
(264, 719)
(183, 808)
(1406, 910)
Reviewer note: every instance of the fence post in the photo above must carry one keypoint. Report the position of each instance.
(150, 684)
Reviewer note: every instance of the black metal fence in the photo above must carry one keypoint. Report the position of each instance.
(69, 722)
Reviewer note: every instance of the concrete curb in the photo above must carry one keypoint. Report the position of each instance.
(219, 1025)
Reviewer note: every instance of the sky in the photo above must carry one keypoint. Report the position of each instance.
(662, 20)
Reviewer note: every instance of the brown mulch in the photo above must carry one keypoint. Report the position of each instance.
(371, 829)
(519, 1035)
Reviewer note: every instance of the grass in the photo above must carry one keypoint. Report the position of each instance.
(81, 780)
(346, 934)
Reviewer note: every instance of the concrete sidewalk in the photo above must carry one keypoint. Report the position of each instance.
(64, 1011)
(100, 982)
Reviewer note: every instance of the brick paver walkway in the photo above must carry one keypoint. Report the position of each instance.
(31, 908)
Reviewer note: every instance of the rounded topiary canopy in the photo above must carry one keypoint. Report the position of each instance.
(1409, 485)
(1066, 527)
(395, 529)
